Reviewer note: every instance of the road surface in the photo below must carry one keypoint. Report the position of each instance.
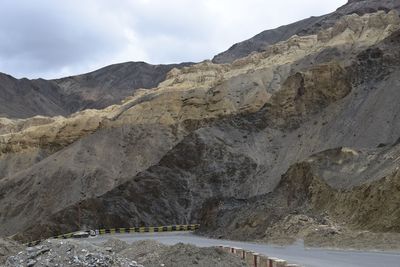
(308, 257)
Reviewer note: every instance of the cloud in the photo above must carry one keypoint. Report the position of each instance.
(45, 38)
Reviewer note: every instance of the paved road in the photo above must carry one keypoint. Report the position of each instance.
(293, 254)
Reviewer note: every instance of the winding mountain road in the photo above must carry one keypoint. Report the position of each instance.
(308, 257)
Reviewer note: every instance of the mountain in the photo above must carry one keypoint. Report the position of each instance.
(24, 98)
(304, 27)
(111, 84)
(300, 140)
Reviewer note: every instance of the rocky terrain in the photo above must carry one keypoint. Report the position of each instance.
(299, 136)
(116, 253)
(8, 247)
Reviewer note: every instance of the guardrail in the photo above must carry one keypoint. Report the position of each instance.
(149, 229)
(255, 259)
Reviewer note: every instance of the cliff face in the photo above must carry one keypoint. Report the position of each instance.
(207, 132)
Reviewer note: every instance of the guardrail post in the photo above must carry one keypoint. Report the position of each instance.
(271, 262)
(275, 262)
(256, 260)
(239, 252)
(263, 261)
(281, 263)
(249, 258)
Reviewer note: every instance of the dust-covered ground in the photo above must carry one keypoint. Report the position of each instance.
(323, 232)
(113, 253)
(152, 253)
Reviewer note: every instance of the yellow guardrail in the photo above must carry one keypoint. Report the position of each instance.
(149, 229)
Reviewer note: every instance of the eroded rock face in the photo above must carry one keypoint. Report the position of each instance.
(303, 94)
(208, 131)
(309, 200)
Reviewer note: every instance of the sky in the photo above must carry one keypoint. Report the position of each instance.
(52, 39)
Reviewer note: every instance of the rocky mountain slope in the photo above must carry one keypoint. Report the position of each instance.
(234, 133)
(23, 98)
(332, 196)
(308, 26)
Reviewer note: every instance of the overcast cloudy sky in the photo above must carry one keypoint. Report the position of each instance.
(49, 39)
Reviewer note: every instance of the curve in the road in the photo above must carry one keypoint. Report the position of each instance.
(297, 253)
